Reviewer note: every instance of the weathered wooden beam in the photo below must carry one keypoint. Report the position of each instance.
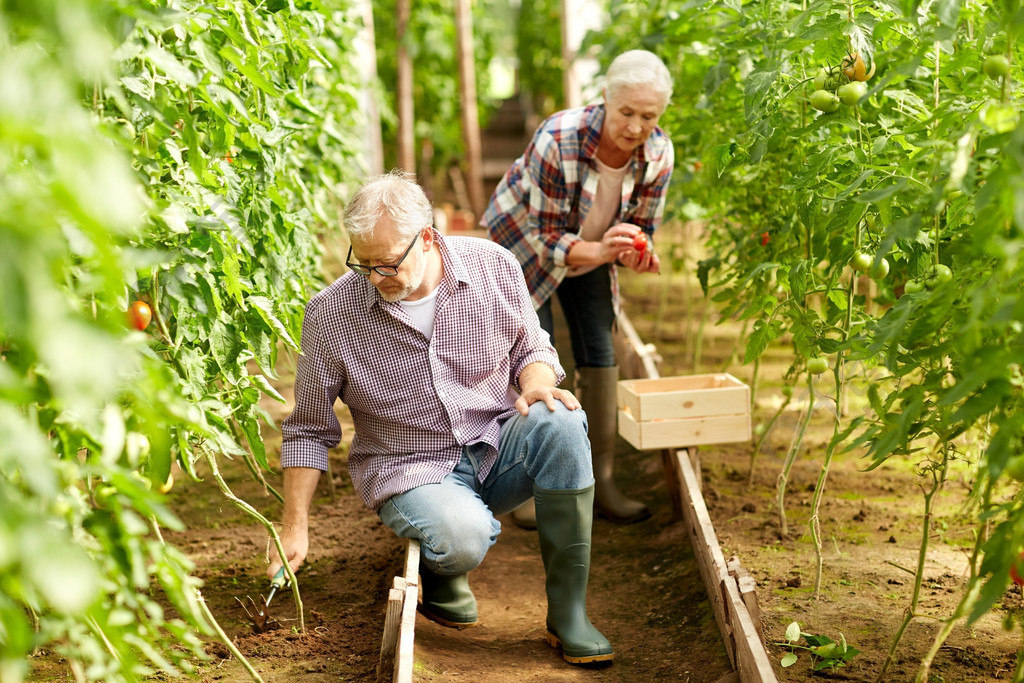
(403, 91)
(741, 635)
(392, 620)
(467, 100)
(396, 648)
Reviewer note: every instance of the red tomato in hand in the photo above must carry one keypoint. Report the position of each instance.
(640, 243)
(139, 315)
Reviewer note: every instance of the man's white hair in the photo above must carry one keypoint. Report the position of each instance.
(639, 67)
(396, 195)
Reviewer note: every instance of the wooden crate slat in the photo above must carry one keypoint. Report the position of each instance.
(686, 396)
(694, 431)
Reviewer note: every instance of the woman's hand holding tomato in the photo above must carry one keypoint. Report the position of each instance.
(640, 256)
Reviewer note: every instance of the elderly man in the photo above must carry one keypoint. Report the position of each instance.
(433, 344)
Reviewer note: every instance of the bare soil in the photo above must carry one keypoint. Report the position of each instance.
(646, 593)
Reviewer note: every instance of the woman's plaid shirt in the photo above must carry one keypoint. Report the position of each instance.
(539, 206)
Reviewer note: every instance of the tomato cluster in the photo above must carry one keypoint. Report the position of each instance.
(843, 84)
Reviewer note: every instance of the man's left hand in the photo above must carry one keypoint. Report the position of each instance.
(548, 395)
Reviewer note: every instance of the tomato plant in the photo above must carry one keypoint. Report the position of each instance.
(191, 158)
(929, 176)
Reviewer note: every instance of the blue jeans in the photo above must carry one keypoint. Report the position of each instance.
(587, 303)
(454, 520)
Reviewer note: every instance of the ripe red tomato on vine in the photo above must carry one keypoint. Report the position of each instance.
(139, 315)
(765, 238)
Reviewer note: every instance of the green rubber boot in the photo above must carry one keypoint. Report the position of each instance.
(564, 519)
(596, 389)
(447, 600)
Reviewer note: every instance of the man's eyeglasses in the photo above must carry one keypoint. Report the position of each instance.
(386, 271)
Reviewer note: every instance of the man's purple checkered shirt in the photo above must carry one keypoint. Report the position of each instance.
(415, 401)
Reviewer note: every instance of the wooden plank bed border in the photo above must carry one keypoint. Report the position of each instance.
(397, 643)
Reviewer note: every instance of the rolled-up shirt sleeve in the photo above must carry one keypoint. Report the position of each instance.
(551, 206)
(313, 429)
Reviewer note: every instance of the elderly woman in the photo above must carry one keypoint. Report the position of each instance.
(586, 196)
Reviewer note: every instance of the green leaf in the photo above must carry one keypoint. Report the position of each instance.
(267, 388)
(788, 659)
(252, 73)
(762, 335)
(266, 311)
(798, 276)
(251, 428)
(814, 166)
(882, 192)
(793, 632)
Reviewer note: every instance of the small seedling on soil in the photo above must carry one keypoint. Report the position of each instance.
(825, 652)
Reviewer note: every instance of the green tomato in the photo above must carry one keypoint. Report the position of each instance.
(913, 287)
(861, 261)
(879, 269)
(820, 79)
(825, 79)
(996, 66)
(817, 365)
(787, 391)
(824, 101)
(939, 275)
(1015, 468)
(851, 93)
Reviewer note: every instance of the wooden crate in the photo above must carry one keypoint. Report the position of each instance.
(692, 410)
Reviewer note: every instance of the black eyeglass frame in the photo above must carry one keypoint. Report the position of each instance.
(383, 271)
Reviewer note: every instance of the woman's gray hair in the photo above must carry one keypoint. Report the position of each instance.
(638, 67)
(396, 195)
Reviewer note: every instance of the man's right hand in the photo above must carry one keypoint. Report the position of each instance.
(299, 487)
(295, 542)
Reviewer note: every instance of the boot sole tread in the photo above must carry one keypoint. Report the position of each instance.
(458, 625)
